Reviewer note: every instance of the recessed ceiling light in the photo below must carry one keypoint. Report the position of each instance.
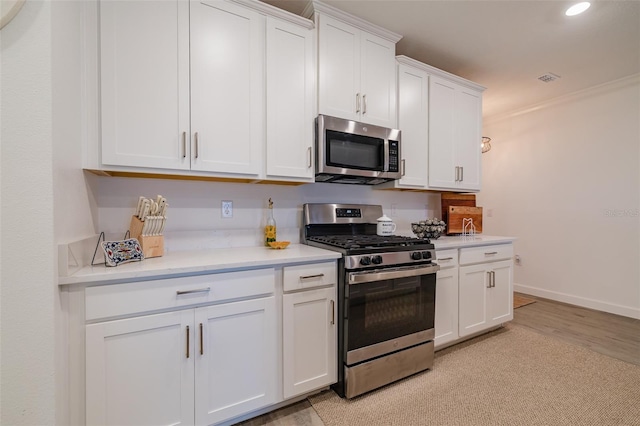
(577, 8)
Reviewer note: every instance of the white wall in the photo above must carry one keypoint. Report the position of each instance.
(28, 269)
(195, 205)
(564, 178)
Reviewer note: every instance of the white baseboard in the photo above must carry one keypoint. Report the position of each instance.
(627, 311)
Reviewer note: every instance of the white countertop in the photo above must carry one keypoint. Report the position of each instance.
(458, 241)
(194, 262)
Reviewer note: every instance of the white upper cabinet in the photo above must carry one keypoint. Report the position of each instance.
(440, 116)
(144, 49)
(290, 101)
(227, 87)
(205, 87)
(455, 134)
(356, 67)
(413, 111)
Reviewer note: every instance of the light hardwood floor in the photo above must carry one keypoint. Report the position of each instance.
(608, 334)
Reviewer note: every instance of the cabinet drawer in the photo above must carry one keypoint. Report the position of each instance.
(485, 253)
(130, 298)
(447, 258)
(308, 276)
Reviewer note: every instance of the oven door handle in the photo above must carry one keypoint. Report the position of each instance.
(367, 277)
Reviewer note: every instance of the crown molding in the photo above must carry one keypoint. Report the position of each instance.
(401, 59)
(269, 10)
(570, 97)
(314, 7)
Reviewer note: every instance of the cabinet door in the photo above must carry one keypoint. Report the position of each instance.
(139, 371)
(236, 356)
(442, 166)
(377, 81)
(144, 74)
(339, 69)
(413, 112)
(472, 298)
(500, 296)
(227, 88)
(309, 341)
(446, 319)
(468, 134)
(290, 101)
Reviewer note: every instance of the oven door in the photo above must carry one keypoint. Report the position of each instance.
(388, 310)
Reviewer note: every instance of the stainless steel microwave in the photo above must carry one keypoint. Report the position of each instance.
(358, 153)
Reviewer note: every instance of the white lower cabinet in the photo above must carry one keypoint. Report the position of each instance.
(309, 328)
(446, 316)
(474, 291)
(198, 365)
(235, 356)
(309, 340)
(138, 371)
(486, 296)
(142, 370)
(206, 349)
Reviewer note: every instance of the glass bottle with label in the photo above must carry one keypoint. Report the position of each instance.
(270, 227)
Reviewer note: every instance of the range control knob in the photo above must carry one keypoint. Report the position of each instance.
(365, 260)
(376, 260)
(426, 255)
(416, 255)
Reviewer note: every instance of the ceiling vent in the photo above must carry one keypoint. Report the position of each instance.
(548, 77)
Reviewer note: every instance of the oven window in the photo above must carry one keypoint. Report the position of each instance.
(354, 151)
(385, 310)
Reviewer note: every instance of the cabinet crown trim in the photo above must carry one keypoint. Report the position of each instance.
(273, 11)
(401, 59)
(314, 7)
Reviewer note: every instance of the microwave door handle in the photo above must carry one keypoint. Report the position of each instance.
(385, 166)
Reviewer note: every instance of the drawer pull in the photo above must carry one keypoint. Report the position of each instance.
(445, 258)
(200, 290)
(308, 277)
(187, 341)
(491, 253)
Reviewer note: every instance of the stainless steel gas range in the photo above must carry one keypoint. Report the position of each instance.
(386, 296)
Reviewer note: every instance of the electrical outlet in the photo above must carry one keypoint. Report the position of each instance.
(393, 210)
(227, 209)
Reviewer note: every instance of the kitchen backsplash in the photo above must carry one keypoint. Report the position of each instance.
(195, 207)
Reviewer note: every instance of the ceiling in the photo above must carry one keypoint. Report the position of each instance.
(506, 45)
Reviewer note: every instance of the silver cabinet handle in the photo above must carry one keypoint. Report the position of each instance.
(357, 102)
(403, 167)
(461, 174)
(444, 258)
(308, 277)
(491, 253)
(333, 312)
(457, 174)
(188, 341)
(199, 290)
(309, 157)
(493, 278)
(201, 340)
(196, 142)
(184, 144)
(364, 104)
(489, 279)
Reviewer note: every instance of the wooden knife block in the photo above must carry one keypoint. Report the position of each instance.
(152, 245)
